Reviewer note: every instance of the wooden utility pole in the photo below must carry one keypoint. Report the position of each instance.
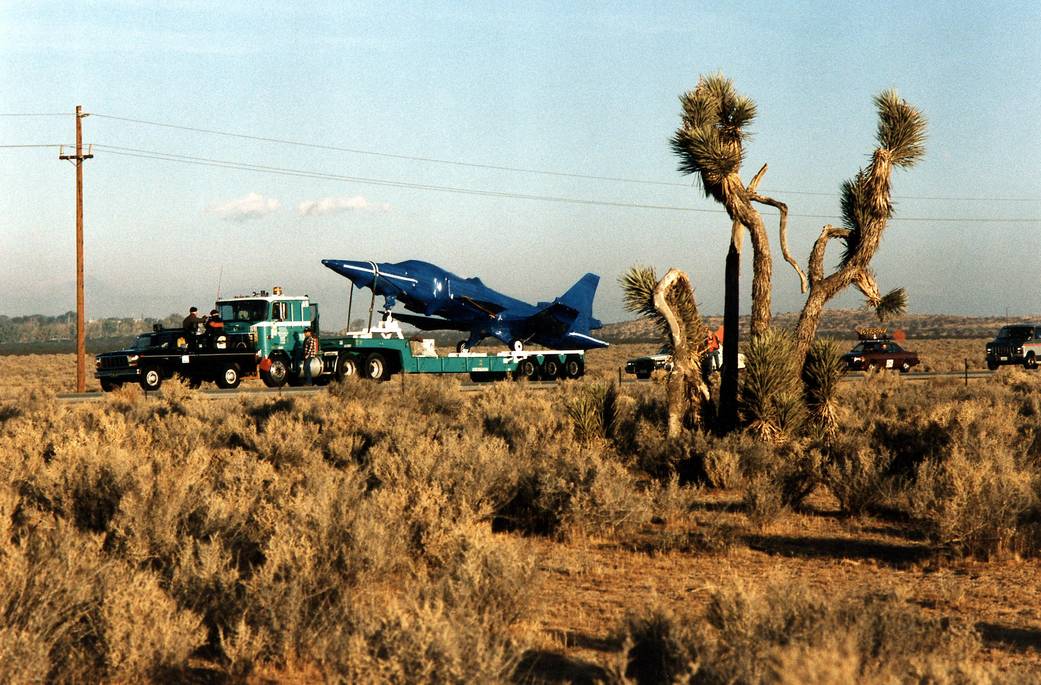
(77, 161)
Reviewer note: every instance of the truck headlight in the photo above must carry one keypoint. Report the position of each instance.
(97, 362)
(132, 359)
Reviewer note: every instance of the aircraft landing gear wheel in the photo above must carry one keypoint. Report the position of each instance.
(517, 346)
(550, 369)
(376, 367)
(151, 379)
(276, 374)
(461, 347)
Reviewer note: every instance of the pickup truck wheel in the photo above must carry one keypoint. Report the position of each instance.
(573, 368)
(151, 379)
(276, 374)
(1030, 362)
(229, 377)
(643, 375)
(992, 365)
(376, 367)
(109, 386)
(550, 369)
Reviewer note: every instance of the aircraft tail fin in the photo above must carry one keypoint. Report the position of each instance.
(580, 298)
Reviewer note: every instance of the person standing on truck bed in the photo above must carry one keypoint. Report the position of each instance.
(192, 322)
(310, 352)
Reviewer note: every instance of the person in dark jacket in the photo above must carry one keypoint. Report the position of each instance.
(192, 322)
(311, 349)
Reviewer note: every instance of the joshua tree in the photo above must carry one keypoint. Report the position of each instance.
(710, 144)
(866, 208)
(670, 304)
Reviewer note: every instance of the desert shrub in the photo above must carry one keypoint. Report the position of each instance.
(763, 500)
(722, 466)
(793, 470)
(455, 630)
(659, 647)
(857, 475)
(771, 401)
(973, 502)
(562, 493)
(760, 635)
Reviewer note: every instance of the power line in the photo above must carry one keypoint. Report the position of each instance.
(36, 114)
(36, 145)
(525, 170)
(303, 173)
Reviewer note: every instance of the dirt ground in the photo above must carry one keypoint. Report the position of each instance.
(590, 585)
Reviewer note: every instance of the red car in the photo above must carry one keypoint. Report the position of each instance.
(880, 354)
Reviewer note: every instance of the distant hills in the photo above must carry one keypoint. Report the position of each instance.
(51, 334)
(839, 323)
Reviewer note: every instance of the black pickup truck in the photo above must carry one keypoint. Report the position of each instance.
(212, 356)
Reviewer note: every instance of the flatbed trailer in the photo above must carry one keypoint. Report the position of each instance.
(381, 352)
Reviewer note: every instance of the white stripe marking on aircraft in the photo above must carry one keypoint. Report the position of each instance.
(380, 273)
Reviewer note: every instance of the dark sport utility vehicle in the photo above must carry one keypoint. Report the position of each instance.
(221, 358)
(1018, 344)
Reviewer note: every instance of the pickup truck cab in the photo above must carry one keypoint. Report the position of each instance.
(1016, 344)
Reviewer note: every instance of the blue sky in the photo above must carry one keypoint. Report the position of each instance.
(585, 88)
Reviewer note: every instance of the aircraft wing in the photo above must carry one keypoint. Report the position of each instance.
(430, 323)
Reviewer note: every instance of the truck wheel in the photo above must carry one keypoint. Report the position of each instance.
(643, 375)
(550, 369)
(151, 379)
(376, 367)
(229, 378)
(1031, 361)
(346, 367)
(573, 368)
(276, 374)
(109, 386)
(992, 365)
(905, 367)
(528, 370)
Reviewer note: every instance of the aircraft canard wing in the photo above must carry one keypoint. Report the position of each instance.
(430, 323)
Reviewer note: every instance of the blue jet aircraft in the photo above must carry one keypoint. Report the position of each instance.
(444, 301)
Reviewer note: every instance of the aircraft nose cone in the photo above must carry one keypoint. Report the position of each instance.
(359, 273)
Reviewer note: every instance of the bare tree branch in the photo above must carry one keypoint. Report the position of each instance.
(783, 208)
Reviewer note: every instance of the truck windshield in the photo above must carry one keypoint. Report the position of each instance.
(1016, 332)
(244, 310)
(143, 342)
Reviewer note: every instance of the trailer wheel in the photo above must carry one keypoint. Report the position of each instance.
(275, 376)
(229, 377)
(151, 379)
(550, 369)
(573, 368)
(376, 367)
(528, 369)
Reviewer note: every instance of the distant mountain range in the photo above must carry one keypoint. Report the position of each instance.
(839, 323)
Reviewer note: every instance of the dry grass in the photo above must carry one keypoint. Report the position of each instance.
(511, 535)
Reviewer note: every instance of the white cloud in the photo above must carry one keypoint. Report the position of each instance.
(336, 205)
(252, 206)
